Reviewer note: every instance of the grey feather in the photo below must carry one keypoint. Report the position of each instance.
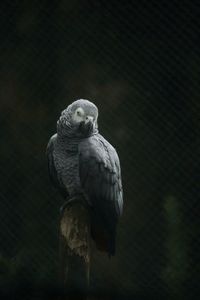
(56, 181)
(109, 169)
(81, 160)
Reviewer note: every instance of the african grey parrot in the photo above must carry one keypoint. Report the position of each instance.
(81, 161)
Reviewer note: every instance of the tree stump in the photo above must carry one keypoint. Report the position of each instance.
(75, 248)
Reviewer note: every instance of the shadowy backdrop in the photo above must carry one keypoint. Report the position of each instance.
(139, 62)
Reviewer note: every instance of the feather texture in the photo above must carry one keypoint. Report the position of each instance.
(100, 176)
(80, 160)
(53, 174)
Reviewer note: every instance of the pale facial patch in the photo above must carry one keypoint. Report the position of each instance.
(79, 115)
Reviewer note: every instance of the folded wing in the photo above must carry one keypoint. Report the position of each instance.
(100, 177)
(56, 181)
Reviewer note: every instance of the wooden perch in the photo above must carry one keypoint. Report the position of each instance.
(75, 247)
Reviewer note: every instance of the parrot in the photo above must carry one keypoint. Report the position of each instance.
(82, 162)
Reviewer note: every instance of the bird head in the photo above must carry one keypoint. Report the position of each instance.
(79, 119)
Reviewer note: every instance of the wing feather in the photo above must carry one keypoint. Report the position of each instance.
(56, 181)
(100, 176)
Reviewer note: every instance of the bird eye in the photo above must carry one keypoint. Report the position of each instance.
(78, 112)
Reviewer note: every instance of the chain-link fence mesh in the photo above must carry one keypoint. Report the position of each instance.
(139, 62)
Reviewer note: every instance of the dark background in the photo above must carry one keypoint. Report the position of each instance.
(139, 61)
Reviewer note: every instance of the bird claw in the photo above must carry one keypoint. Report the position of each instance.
(62, 208)
(79, 198)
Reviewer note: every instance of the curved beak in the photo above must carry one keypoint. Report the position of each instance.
(86, 126)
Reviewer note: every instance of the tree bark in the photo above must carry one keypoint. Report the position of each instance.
(75, 249)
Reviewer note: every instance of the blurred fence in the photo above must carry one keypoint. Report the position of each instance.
(139, 62)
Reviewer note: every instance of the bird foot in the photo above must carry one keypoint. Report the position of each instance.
(78, 198)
